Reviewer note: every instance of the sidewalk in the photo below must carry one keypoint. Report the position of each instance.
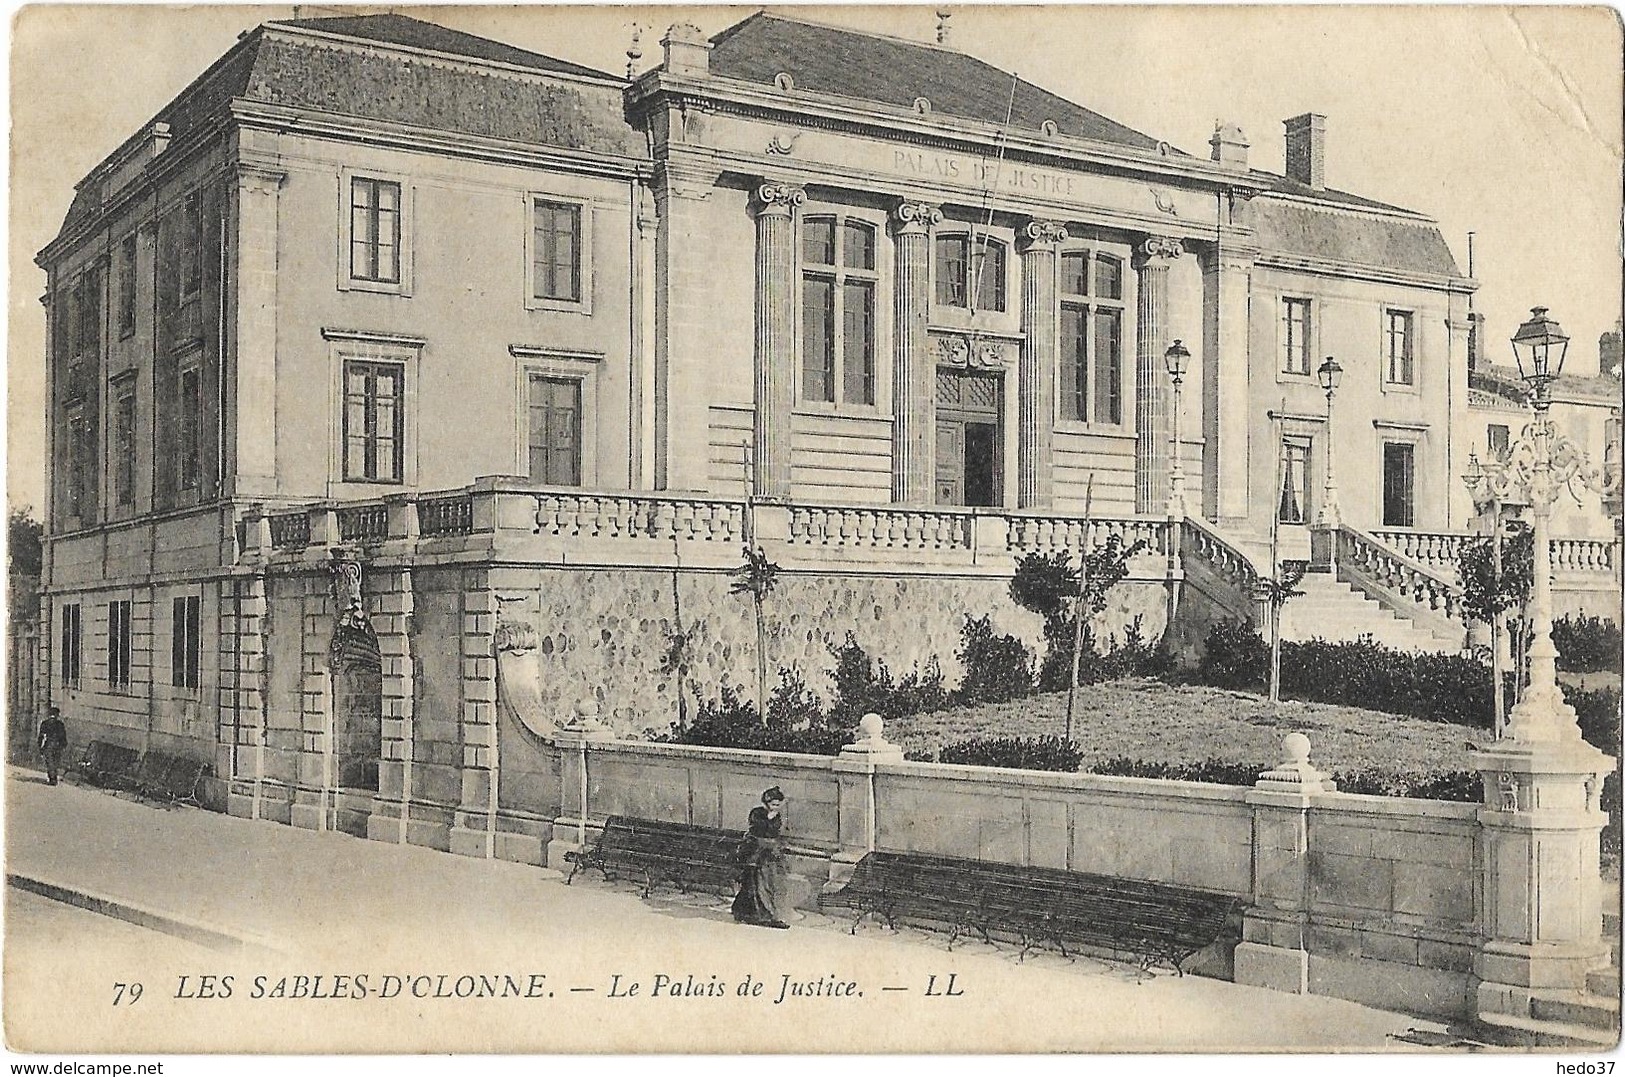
(271, 901)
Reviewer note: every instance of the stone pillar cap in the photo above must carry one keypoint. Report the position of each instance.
(1295, 774)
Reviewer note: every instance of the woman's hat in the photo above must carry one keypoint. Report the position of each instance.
(774, 793)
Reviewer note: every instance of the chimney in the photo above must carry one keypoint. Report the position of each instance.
(1229, 145)
(1306, 149)
(687, 50)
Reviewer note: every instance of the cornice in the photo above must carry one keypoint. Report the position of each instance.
(545, 351)
(813, 109)
(370, 336)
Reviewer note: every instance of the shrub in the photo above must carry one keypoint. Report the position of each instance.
(864, 685)
(732, 722)
(1428, 785)
(1235, 657)
(1047, 584)
(1587, 644)
(1022, 753)
(998, 668)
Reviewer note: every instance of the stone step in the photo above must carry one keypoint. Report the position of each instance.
(1575, 1008)
(1537, 1033)
(1604, 982)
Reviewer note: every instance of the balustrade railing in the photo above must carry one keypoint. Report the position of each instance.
(1051, 534)
(1364, 556)
(880, 527)
(1584, 555)
(453, 515)
(363, 523)
(632, 516)
(290, 530)
(1441, 551)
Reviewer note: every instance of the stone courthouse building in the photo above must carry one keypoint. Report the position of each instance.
(409, 389)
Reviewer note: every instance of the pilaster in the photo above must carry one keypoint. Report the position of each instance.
(1226, 280)
(683, 315)
(775, 206)
(575, 743)
(914, 369)
(252, 435)
(244, 625)
(390, 817)
(473, 830)
(1035, 381)
(1152, 407)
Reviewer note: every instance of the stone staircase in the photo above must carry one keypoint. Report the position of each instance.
(1330, 610)
(1582, 1020)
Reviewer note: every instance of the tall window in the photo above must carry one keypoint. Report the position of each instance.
(375, 230)
(126, 286)
(191, 244)
(555, 251)
(555, 430)
(1398, 347)
(970, 269)
(838, 281)
(70, 645)
(1398, 484)
(1499, 438)
(124, 440)
(1295, 327)
(373, 422)
(189, 462)
(1091, 337)
(186, 642)
(1294, 508)
(76, 458)
(118, 644)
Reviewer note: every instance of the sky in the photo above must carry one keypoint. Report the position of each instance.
(1501, 121)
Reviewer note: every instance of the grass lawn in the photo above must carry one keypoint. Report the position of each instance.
(1158, 722)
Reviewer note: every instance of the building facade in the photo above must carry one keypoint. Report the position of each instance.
(408, 387)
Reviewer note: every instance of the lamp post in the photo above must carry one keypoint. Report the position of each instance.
(1331, 376)
(1178, 360)
(1542, 782)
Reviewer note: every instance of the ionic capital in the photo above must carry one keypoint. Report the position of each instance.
(1040, 234)
(915, 217)
(774, 198)
(1157, 251)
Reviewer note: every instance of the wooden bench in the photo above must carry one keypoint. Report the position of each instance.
(658, 853)
(1158, 923)
(170, 778)
(110, 765)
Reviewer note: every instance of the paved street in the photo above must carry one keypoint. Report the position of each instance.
(397, 933)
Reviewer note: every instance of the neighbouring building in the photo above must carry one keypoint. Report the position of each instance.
(408, 388)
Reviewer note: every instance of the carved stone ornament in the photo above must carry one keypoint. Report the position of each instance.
(922, 105)
(1050, 128)
(969, 351)
(519, 670)
(921, 215)
(1164, 205)
(783, 143)
(775, 197)
(1159, 247)
(1035, 233)
(783, 81)
(1506, 791)
(346, 573)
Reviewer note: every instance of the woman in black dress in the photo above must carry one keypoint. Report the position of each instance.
(763, 891)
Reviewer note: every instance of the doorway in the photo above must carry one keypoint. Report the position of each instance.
(970, 438)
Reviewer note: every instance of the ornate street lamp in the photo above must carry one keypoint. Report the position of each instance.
(1178, 360)
(1331, 376)
(1538, 467)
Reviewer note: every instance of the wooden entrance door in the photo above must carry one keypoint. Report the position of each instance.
(970, 438)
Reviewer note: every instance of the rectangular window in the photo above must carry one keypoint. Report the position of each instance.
(1091, 337)
(126, 286)
(88, 335)
(952, 257)
(967, 268)
(188, 463)
(1109, 366)
(556, 251)
(186, 642)
(555, 430)
(1398, 347)
(1074, 362)
(124, 440)
(375, 230)
(191, 245)
(987, 267)
(838, 281)
(1398, 484)
(118, 644)
(1294, 507)
(1499, 437)
(76, 457)
(1295, 315)
(70, 645)
(373, 421)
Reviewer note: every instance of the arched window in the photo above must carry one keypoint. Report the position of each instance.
(1091, 357)
(838, 280)
(968, 267)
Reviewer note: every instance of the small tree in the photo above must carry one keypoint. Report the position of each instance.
(1497, 578)
(1277, 590)
(757, 577)
(678, 656)
(25, 557)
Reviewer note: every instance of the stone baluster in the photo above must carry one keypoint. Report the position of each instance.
(1035, 383)
(776, 260)
(1153, 414)
(913, 370)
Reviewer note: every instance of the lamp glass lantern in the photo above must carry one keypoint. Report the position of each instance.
(1331, 376)
(1540, 346)
(1178, 359)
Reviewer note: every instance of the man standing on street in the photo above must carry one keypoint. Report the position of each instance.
(53, 741)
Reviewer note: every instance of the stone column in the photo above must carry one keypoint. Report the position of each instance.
(1226, 272)
(913, 370)
(1035, 382)
(775, 205)
(1273, 951)
(1152, 409)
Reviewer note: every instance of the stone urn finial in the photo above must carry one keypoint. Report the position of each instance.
(872, 744)
(1295, 773)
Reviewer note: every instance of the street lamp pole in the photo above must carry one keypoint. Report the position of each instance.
(1331, 376)
(1178, 359)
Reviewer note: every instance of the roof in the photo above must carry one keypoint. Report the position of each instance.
(415, 33)
(891, 71)
(1288, 185)
(1411, 244)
